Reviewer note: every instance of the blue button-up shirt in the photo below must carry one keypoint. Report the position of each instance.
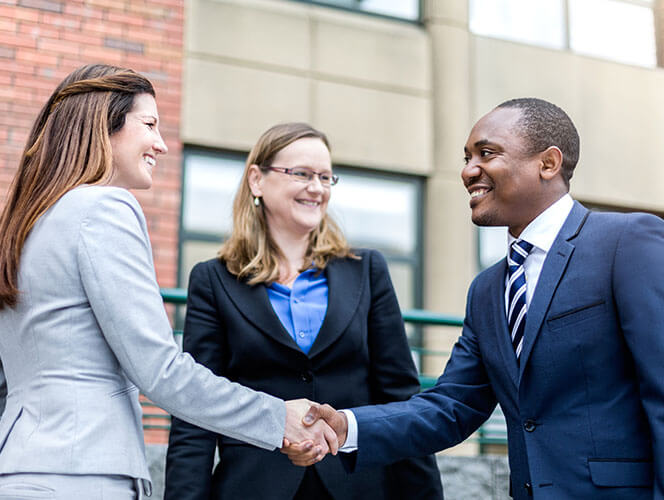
(302, 308)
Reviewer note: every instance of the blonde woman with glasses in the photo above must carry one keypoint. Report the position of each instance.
(289, 309)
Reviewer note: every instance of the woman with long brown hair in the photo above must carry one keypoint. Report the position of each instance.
(82, 323)
(289, 309)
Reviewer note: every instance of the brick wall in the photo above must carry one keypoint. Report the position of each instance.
(41, 41)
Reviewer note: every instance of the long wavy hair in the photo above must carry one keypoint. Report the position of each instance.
(69, 145)
(250, 252)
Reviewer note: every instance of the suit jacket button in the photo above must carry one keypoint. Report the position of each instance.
(529, 488)
(307, 376)
(529, 425)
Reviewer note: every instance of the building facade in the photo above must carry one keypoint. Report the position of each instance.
(396, 85)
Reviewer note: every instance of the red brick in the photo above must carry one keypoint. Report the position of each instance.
(47, 5)
(35, 30)
(61, 21)
(147, 10)
(34, 56)
(83, 37)
(121, 17)
(108, 4)
(100, 54)
(18, 13)
(82, 10)
(7, 52)
(17, 40)
(103, 27)
(7, 24)
(18, 68)
(58, 45)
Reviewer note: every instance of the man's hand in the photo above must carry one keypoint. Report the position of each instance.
(309, 444)
(304, 453)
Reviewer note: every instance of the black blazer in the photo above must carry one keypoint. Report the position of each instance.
(360, 357)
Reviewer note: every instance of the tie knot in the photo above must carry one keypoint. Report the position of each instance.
(518, 252)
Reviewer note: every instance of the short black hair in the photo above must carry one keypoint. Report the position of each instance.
(543, 125)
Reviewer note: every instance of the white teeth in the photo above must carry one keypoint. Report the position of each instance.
(309, 203)
(150, 161)
(479, 192)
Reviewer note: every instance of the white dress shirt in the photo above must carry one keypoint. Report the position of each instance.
(540, 233)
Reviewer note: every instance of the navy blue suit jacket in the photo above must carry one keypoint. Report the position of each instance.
(360, 356)
(585, 405)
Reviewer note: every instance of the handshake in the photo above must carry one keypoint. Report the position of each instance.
(312, 431)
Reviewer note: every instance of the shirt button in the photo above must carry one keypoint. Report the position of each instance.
(529, 425)
(301, 334)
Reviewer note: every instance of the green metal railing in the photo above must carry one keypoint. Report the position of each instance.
(491, 433)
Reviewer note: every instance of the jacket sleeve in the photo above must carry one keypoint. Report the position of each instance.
(435, 419)
(394, 378)
(638, 287)
(190, 456)
(117, 274)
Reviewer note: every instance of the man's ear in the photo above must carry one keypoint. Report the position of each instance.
(551, 163)
(254, 177)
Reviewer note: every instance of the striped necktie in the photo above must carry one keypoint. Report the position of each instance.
(516, 284)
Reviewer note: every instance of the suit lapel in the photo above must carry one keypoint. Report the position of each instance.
(345, 279)
(498, 309)
(254, 304)
(552, 273)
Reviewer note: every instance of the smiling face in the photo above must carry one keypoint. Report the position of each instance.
(136, 145)
(293, 208)
(504, 182)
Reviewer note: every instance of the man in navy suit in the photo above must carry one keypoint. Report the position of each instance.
(566, 334)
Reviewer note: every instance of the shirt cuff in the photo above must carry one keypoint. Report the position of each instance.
(351, 435)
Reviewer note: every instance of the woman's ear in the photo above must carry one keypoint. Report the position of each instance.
(552, 163)
(255, 177)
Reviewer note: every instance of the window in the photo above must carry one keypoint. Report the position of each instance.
(402, 9)
(491, 245)
(374, 210)
(612, 29)
(537, 23)
(620, 30)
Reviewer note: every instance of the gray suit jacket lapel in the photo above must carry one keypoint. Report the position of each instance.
(552, 272)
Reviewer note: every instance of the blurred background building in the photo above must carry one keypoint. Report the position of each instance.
(396, 85)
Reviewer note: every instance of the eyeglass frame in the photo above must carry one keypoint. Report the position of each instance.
(334, 179)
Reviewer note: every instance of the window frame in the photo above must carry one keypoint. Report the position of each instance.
(415, 260)
(322, 3)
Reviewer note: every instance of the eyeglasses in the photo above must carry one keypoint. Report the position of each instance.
(306, 175)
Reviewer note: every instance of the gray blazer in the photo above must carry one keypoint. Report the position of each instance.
(88, 332)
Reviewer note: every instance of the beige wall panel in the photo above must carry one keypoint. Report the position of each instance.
(228, 106)
(447, 11)
(451, 246)
(618, 109)
(372, 128)
(251, 31)
(388, 53)
(452, 95)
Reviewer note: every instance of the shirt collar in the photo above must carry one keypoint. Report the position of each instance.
(542, 231)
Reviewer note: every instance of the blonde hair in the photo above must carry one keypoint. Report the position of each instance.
(69, 145)
(250, 252)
